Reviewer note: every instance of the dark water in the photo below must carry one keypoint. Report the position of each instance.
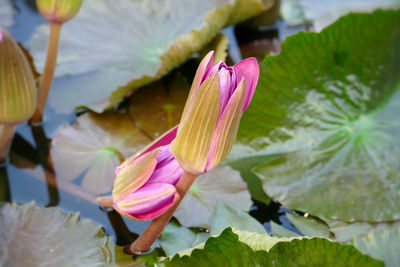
(29, 176)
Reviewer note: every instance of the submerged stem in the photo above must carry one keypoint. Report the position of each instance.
(6, 136)
(48, 72)
(153, 231)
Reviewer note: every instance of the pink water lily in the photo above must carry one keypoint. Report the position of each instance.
(210, 120)
(144, 187)
(145, 183)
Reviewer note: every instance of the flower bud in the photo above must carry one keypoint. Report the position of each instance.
(58, 11)
(145, 183)
(210, 120)
(17, 85)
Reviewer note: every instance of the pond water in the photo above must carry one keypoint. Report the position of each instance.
(29, 176)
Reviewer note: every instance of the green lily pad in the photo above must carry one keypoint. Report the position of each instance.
(226, 216)
(6, 14)
(345, 231)
(220, 184)
(378, 240)
(158, 107)
(176, 238)
(382, 245)
(253, 182)
(37, 236)
(298, 12)
(134, 43)
(309, 226)
(335, 116)
(280, 231)
(93, 147)
(241, 248)
(220, 47)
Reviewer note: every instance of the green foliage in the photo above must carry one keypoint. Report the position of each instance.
(330, 101)
(176, 238)
(254, 184)
(241, 248)
(381, 244)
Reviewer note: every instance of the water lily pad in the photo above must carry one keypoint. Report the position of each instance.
(280, 231)
(93, 147)
(37, 236)
(109, 57)
(253, 182)
(345, 231)
(382, 245)
(176, 238)
(156, 108)
(303, 11)
(220, 47)
(309, 226)
(226, 216)
(6, 13)
(221, 184)
(337, 115)
(241, 248)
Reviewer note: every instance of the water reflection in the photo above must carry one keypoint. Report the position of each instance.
(5, 193)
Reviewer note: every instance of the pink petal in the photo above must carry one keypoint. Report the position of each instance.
(163, 140)
(167, 170)
(213, 69)
(148, 202)
(1, 34)
(249, 70)
(227, 85)
(134, 173)
(226, 128)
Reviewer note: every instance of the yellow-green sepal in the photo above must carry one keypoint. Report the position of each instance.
(193, 141)
(58, 11)
(17, 84)
(134, 173)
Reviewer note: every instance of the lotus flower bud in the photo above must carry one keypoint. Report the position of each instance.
(17, 85)
(210, 119)
(145, 183)
(58, 11)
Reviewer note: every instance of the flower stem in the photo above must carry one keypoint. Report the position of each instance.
(6, 136)
(153, 231)
(48, 72)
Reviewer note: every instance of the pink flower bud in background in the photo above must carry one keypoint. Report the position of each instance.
(210, 120)
(145, 184)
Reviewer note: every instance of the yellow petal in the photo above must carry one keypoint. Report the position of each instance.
(193, 141)
(201, 70)
(227, 127)
(134, 173)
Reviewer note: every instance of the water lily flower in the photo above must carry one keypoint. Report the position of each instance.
(210, 119)
(145, 183)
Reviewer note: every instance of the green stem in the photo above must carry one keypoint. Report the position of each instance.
(6, 136)
(48, 72)
(153, 231)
